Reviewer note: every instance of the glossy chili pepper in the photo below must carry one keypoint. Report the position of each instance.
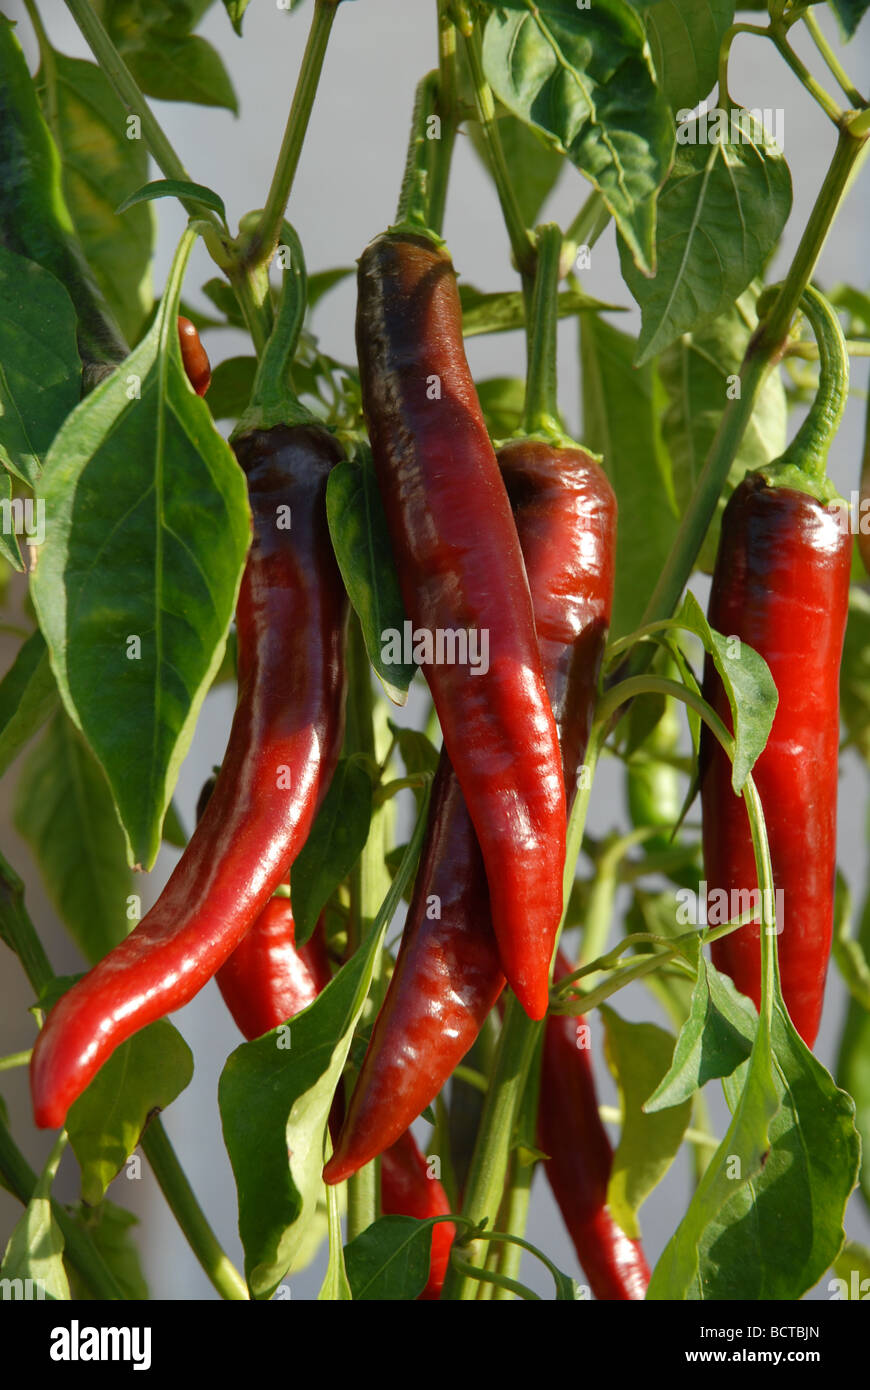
(580, 1158)
(283, 746)
(408, 1190)
(781, 584)
(34, 220)
(194, 356)
(448, 973)
(460, 570)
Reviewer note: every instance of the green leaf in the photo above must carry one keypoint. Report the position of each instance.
(63, 809)
(232, 383)
(110, 1229)
(175, 188)
(782, 1234)
(40, 370)
(236, 9)
(584, 78)
(850, 13)
(418, 752)
(182, 68)
(34, 1253)
(105, 1124)
(335, 843)
(28, 696)
(390, 1259)
(855, 672)
(853, 1060)
(721, 213)
(621, 413)
(639, 1054)
(335, 1287)
(503, 311)
(684, 38)
(750, 688)
(362, 546)
(100, 164)
(174, 832)
(10, 550)
(139, 483)
(224, 300)
(700, 372)
(711, 1043)
(275, 1096)
(502, 400)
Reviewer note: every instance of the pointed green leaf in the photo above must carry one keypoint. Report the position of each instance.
(28, 697)
(335, 843)
(685, 37)
(715, 1039)
(33, 1260)
(390, 1259)
(105, 1124)
(64, 810)
(147, 527)
(720, 215)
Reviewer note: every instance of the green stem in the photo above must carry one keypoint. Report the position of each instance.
(855, 347)
(520, 240)
(17, 929)
(413, 209)
(127, 90)
(442, 154)
(177, 1190)
(475, 1276)
(723, 97)
(251, 288)
(16, 1059)
(273, 401)
(542, 394)
(263, 240)
(838, 72)
(764, 345)
(522, 1172)
(802, 72)
(519, 1037)
(808, 451)
(79, 1249)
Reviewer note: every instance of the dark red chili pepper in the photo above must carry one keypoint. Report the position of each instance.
(284, 743)
(781, 584)
(580, 1158)
(461, 571)
(408, 1190)
(448, 974)
(194, 356)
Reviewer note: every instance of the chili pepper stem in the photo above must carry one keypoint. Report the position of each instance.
(442, 154)
(541, 408)
(838, 72)
(176, 1189)
(263, 240)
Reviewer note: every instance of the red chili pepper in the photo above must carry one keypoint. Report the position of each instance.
(448, 974)
(580, 1158)
(461, 571)
(284, 743)
(781, 584)
(194, 356)
(408, 1190)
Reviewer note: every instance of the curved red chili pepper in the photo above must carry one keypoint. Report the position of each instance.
(194, 356)
(580, 1158)
(781, 584)
(448, 973)
(283, 746)
(460, 569)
